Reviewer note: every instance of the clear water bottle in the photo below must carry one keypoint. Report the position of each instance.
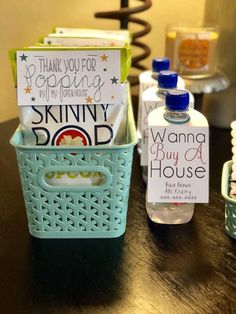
(175, 112)
(154, 97)
(166, 80)
(148, 79)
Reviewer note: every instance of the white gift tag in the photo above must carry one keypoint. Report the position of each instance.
(178, 164)
(68, 77)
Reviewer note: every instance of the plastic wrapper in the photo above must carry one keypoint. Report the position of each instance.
(74, 125)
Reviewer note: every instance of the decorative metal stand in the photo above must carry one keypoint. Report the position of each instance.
(207, 85)
(201, 87)
(124, 15)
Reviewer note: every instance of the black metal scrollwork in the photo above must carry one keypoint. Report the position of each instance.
(124, 14)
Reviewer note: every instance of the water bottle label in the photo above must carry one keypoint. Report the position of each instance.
(178, 166)
(147, 107)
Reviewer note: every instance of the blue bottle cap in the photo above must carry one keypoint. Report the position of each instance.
(167, 79)
(160, 64)
(177, 100)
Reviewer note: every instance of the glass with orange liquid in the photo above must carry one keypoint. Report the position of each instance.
(192, 49)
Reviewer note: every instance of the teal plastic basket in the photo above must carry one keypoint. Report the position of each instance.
(76, 211)
(230, 203)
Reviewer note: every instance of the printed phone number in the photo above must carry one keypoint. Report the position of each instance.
(178, 198)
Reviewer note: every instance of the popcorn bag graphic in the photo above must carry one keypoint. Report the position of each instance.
(73, 141)
(68, 136)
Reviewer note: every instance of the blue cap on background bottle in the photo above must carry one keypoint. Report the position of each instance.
(177, 100)
(167, 79)
(160, 64)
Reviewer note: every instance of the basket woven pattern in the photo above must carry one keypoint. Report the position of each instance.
(80, 214)
(230, 203)
(230, 219)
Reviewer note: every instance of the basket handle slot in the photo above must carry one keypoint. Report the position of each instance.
(74, 178)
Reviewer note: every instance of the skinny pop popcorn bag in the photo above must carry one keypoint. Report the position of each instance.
(73, 125)
(72, 97)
